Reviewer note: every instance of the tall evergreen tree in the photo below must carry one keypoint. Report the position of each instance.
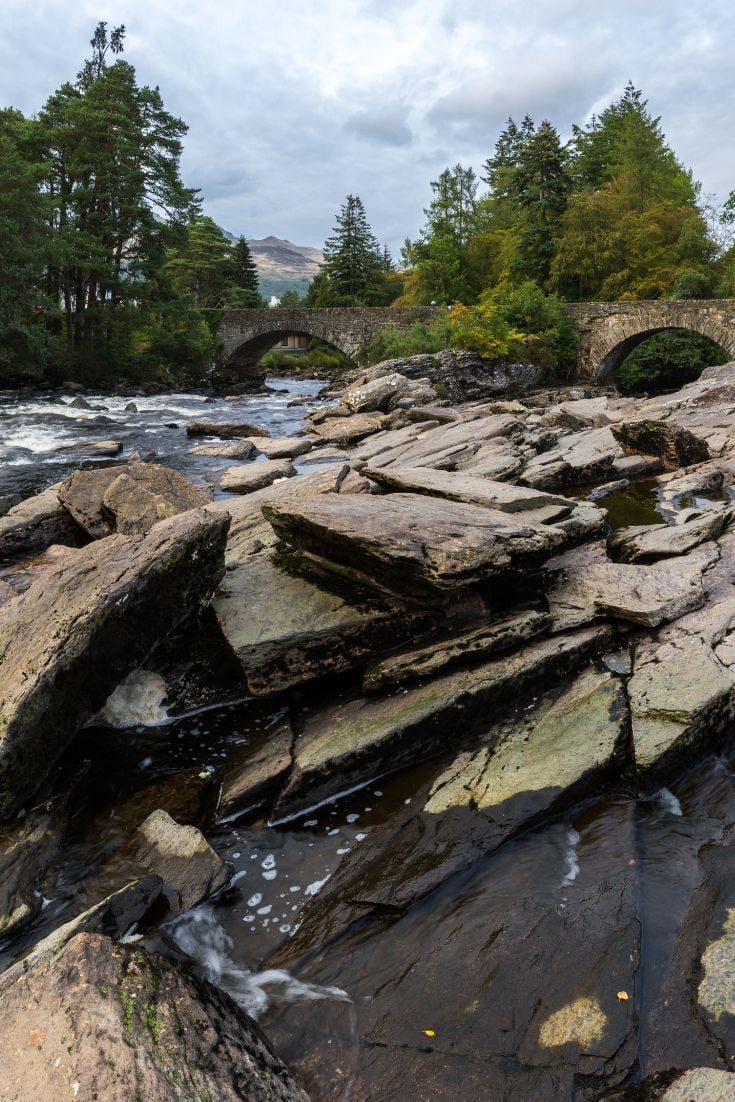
(244, 288)
(111, 156)
(201, 266)
(23, 244)
(352, 257)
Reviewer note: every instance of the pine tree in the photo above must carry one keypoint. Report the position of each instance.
(201, 267)
(111, 156)
(23, 245)
(244, 288)
(352, 257)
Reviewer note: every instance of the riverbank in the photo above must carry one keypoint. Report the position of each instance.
(448, 690)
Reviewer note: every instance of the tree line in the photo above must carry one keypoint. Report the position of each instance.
(109, 268)
(610, 214)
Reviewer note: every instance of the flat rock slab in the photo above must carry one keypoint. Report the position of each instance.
(107, 448)
(283, 447)
(255, 476)
(647, 543)
(473, 490)
(224, 432)
(146, 493)
(347, 430)
(103, 610)
(412, 543)
(243, 449)
(286, 629)
(580, 457)
(577, 735)
(37, 523)
(458, 650)
(120, 1024)
(252, 776)
(346, 742)
(581, 585)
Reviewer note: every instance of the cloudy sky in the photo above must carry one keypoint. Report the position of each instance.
(293, 104)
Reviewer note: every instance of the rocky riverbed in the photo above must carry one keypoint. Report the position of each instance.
(405, 729)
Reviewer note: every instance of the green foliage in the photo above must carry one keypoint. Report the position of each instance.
(667, 361)
(420, 338)
(548, 335)
(318, 359)
(23, 243)
(520, 323)
(353, 261)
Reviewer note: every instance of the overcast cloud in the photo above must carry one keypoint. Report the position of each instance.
(292, 105)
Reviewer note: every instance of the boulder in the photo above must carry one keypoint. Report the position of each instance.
(131, 408)
(147, 493)
(243, 449)
(377, 395)
(100, 448)
(224, 432)
(81, 495)
(441, 414)
(108, 1021)
(701, 1085)
(103, 611)
(80, 403)
(675, 446)
(37, 523)
(347, 430)
(410, 543)
(182, 858)
(255, 476)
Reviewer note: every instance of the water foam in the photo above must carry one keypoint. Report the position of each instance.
(199, 934)
(570, 858)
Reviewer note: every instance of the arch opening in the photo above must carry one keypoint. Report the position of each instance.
(658, 360)
(284, 351)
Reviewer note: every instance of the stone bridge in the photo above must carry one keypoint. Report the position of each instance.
(608, 331)
(246, 335)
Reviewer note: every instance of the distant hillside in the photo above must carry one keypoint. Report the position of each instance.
(283, 266)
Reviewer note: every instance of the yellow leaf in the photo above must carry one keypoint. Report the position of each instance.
(623, 996)
(431, 1033)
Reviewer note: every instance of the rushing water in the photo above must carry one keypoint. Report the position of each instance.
(35, 433)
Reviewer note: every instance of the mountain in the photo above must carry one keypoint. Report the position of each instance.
(283, 266)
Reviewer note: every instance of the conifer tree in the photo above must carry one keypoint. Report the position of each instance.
(353, 260)
(244, 287)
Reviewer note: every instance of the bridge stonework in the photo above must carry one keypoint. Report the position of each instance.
(609, 331)
(246, 335)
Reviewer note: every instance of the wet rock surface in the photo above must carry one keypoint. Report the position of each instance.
(108, 1021)
(463, 738)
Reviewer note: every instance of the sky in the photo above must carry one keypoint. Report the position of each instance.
(291, 105)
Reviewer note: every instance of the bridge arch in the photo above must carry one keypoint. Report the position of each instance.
(244, 336)
(609, 331)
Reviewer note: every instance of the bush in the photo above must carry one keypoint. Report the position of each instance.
(520, 323)
(420, 338)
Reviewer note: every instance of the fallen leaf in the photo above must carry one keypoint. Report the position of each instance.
(431, 1033)
(623, 996)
